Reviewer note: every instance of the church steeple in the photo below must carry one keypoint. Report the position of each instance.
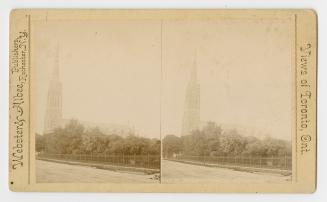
(194, 70)
(191, 118)
(55, 73)
(53, 116)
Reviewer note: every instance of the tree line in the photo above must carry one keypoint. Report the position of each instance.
(75, 139)
(213, 141)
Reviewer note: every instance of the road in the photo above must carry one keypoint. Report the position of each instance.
(175, 172)
(172, 172)
(50, 172)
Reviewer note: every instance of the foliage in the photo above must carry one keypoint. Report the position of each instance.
(39, 142)
(75, 139)
(172, 145)
(213, 141)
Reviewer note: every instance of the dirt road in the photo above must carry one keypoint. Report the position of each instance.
(175, 172)
(51, 172)
(172, 172)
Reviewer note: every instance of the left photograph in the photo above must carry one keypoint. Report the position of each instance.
(96, 101)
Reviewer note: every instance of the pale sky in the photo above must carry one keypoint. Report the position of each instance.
(111, 72)
(244, 71)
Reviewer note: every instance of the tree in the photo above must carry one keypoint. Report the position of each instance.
(171, 145)
(254, 147)
(232, 143)
(39, 143)
(67, 140)
(211, 140)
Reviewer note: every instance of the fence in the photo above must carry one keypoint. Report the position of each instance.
(139, 161)
(281, 163)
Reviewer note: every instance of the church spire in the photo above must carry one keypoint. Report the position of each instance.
(191, 117)
(53, 114)
(194, 70)
(55, 73)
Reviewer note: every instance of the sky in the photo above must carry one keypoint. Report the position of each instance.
(135, 72)
(244, 72)
(110, 71)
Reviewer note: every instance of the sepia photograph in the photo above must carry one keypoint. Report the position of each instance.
(163, 100)
(224, 116)
(97, 101)
(227, 101)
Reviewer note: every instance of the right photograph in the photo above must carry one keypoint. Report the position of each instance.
(226, 101)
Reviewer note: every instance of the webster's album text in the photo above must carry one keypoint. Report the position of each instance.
(19, 73)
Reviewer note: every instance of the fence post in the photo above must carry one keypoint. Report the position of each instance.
(123, 159)
(285, 162)
(148, 161)
(134, 160)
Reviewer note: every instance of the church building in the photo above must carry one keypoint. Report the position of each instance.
(191, 117)
(53, 114)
